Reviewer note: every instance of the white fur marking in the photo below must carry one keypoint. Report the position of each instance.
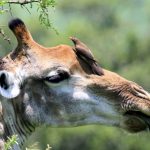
(80, 94)
(11, 92)
(13, 89)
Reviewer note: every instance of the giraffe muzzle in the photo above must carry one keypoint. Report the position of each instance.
(9, 85)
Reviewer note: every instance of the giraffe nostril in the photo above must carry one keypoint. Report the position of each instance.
(3, 81)
(9, 85)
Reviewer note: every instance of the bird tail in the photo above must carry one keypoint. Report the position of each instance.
(97, 69)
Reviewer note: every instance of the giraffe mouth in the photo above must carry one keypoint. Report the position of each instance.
(136, 121)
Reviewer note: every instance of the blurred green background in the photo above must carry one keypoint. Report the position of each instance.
(118, 33)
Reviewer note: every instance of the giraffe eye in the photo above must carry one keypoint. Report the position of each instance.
(57, 76)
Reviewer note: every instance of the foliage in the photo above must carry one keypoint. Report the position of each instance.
(2, 10)
(10, 142)
(44, 13)
(43, 9)
(13, 140)
(35, 147)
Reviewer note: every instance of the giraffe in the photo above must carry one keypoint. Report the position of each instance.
(63, 86)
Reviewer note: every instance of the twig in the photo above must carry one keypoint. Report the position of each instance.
(23, 6)
(22, 2)
(10, 11)
(4, 36)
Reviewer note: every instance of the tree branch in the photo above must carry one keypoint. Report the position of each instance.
(22, 2)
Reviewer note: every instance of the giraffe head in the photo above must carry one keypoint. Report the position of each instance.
(65, 86)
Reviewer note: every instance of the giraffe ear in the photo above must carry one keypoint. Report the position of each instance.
(21, 32)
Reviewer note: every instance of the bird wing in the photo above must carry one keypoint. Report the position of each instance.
(85, 53)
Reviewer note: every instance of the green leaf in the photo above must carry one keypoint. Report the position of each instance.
(11, 141)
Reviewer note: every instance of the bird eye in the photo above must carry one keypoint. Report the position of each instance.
(57, 77)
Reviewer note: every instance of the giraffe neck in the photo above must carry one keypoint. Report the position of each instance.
(12, 122)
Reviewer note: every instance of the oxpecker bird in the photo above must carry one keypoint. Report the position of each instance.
(85, 53)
